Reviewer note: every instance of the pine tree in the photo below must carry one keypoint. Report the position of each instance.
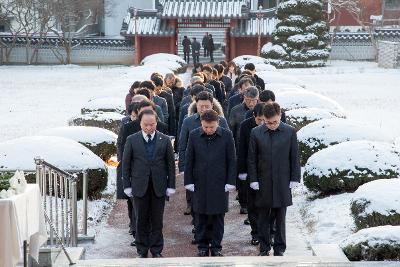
(301, 36)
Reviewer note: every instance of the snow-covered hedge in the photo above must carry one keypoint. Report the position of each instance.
(307, 99)
(324, 133)
(278, 77)
(257, 61)
(282, 87)
(346, 166)
(66, 154)
(106, 120)
(104, 104)
(100, 141)
(173, 62)
(298, 118)
(377, 203)
(373, 244)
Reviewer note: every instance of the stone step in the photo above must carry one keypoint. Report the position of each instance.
(219, 261)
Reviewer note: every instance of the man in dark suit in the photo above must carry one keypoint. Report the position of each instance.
(148, 171)
(210, 173)
(237, 99)
(273, 169)
(245, 129)
(186, 48)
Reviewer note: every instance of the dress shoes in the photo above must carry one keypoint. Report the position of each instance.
(216, 254)
(264, 253)
(202, 253)
(254, 241)
(194, 230)
(133, 243)
(194, 241)
(246, 221)
(278, 253)
(157, 255)
(243, 211)
(142, 256)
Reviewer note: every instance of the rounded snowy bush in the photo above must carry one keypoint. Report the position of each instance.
(346, 166)
(273, 51)
(298, 118)
(104, 104)
(241, 61)
(173, 62)
(327, 132)
(373, 244)
(282, 87)
(65, 154)
(307, 99)
(377, 203)
(106, 120)
(100, 141)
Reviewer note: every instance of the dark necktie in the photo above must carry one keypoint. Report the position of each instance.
(148, 138)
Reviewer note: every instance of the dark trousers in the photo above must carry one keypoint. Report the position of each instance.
(252, 212)
(132, 215)
(186, 56)
(149, 222)
(210, 231)
(206, 53)
(265, 219)
(196, 57)
(212, 55)
(242, 191)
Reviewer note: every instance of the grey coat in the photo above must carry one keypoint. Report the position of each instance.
(137, 169)
(162, 103)
(210, 164)
(273, 162)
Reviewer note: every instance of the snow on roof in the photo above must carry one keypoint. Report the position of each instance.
(337, 130)
(105, 103)
(282, 87)
(278, 77)
(101, 116)
(83, 134)
(253, 26)
(308, 99)
(374, 236)
(380, 197)
(162, 57)
(66, 154)
(240, 61)
(312, 114)
(354, 156)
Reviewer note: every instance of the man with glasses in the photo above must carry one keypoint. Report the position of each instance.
(236, 116)
(273, 170)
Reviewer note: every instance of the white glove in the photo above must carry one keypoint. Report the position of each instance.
(293, 184)
(128, 192)
(229, 187)
(242, 176)
(255, 186)
(182, 174)
(190, 187)
(170, 192)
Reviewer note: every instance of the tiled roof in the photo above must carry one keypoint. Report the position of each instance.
(250, 27)
(204, 9)
(146, 25)
(379, 33)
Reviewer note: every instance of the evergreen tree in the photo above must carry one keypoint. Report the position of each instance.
(301, 36)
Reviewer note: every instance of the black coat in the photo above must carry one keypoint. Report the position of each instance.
(171, 112)
(273, 162)
(219, 90)
(210, 164)
(244, 137)
(125, 131)
(186, 43)
(210, 46)
(137, 169)
(260, 82)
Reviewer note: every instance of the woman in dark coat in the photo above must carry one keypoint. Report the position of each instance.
(273, 169)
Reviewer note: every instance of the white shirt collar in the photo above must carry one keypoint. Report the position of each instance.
(145, 136)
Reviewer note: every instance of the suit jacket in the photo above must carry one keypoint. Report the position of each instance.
(137, 169)
(171, 112)
(210, 164)
(273, 162)
(244, 137)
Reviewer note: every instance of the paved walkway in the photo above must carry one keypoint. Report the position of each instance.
(112, 238)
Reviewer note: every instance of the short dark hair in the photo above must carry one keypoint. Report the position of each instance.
(196, 89)
(209, 116)
(157, 80)
(156, 74)
(148, 84)
(250, 66)
(146, 103)
(207, 68)
(267, 95)
(204, 96)
(271, 110)
(147, 112)
(258, 110)
(223, 63)
(214, 72)
(144, 91)
(133, 107)
(244, 81)
(219, 67)
(135, 85)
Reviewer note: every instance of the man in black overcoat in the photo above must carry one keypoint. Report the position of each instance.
(186, 43)
(210, 173)
(273, 169)
(148, 171)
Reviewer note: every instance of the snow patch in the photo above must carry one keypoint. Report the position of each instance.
(374, 236)
(310, 114)
(104, 103)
